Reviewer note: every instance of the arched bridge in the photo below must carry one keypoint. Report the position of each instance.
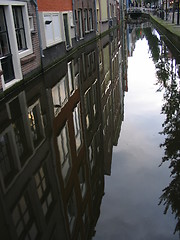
(135, 12)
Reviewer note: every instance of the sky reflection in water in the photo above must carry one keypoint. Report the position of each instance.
(130, 208)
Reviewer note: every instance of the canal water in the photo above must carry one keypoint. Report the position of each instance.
(89, 148)
(130, 207)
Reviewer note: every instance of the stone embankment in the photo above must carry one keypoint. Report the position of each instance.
(170, 30)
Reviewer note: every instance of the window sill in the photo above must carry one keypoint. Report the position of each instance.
(10, 84)
(51, 44)
(25, 53)
(28, 59)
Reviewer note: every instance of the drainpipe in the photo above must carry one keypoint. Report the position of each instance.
(38, 26)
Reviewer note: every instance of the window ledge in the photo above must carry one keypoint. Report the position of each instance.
(11, 83)
(28, 59)
(25, 53)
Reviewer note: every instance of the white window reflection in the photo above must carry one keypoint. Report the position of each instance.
(64, 152)
(59, 95)
(77, 126)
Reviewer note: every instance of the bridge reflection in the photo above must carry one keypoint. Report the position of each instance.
(136, 12)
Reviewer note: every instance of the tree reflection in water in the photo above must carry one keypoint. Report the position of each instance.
(168, 80)
(171, 145)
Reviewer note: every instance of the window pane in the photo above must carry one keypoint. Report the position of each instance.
(35, 123)
(43, 189)
(66, 29)
(6, 165)
(19, 131)
(56, 24)
(48, 28)
(7, 67)
(63, 90)
(77, 126)
(23, 219)
(70, 77)
(4, 45)
(64, 151)
(19, 27)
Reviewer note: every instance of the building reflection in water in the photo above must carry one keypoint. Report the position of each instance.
(56, 137)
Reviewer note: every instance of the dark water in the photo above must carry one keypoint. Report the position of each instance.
(130, 207)
(80, 154)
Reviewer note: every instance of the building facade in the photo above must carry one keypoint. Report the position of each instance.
(19, 42)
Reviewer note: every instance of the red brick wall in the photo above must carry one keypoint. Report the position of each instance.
(54, 5)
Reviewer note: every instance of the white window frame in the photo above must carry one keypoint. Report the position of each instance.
(16, 55)
(54, 40)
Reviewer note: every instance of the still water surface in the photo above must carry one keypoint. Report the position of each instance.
(57, 133)
(130, 207)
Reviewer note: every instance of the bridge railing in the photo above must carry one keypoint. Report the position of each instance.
(140, 9)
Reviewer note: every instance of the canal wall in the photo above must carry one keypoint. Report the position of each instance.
(171, 31)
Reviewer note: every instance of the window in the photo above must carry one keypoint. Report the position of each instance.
(23, 220)
(84, 67)
(70, 77)
(52, 28)
(89, 65)
(77, 127)
(19, 129)
(19, 28)
(71, 210)
(35, 120)
(6, 158)
(80, 25)
(94, 98)
(5, 52)
(86, 20)
(90, 19)
(66, 30)
(93, 61)
(87, 108)
(82, 180)
(43, 190)
(59, 95)
(92, 153)
(64, 152)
